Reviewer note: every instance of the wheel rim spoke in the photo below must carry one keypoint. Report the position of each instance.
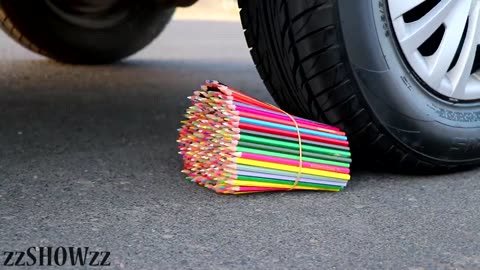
(451, 29)
(441, 60)
(460, 74)
(398, 8)
(418, 32)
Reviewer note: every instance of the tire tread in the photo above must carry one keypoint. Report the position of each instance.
(8, 27)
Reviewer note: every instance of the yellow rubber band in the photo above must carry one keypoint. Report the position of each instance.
(300, 153)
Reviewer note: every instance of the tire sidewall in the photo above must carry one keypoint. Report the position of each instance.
(431, 127)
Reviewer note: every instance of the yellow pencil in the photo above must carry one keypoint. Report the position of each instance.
(270, 165)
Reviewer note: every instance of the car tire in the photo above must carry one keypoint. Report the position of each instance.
(66, 35)
(339, 62)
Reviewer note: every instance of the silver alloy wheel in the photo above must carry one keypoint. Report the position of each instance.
(452, 27)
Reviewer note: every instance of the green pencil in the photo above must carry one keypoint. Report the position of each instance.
(293, 152)
(290, 145)
(294, 157)
(292, 139)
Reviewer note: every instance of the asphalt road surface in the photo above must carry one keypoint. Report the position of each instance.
(88, 158)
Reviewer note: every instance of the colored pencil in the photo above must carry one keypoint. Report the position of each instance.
(232, 143)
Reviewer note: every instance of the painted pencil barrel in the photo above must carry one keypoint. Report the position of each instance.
(232, 143)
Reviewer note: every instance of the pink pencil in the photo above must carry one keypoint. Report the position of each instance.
(259, 189)
(225, 189)
(273, 114)
(231, 94)
(236, 119)
(292, 162)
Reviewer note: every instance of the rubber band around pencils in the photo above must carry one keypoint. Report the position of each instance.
(300, 153)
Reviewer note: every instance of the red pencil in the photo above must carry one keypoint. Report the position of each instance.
(291, 134)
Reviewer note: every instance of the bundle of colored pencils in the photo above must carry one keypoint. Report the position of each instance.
(234, 144)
